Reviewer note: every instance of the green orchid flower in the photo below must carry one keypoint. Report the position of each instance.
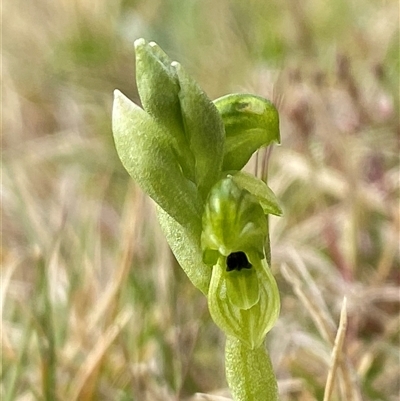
(186, 152)
(243, 296)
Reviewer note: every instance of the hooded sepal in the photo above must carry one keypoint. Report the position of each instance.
(233, 220)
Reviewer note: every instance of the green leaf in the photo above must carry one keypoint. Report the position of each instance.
(249, 372)
(158, 88)
(204, 128)
(146, 151)
(185, 245)
(260, 190)
(250, 122)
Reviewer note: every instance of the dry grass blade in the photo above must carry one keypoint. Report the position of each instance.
(348, 385)
(92, 363)
(336, 352)
(5, 278)
(321, 323)
(123, 264)
(209, 397)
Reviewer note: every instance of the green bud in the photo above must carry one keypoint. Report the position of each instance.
(158, 88)
(204, 129)
(250, 123)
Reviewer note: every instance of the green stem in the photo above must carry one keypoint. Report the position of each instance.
(249, 372)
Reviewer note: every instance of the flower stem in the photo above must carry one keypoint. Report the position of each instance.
(249, 372)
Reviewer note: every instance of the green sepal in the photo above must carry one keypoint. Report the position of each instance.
(249, 372)
(204, 128)
(268, 200)
(248, 325)
(158, 88)
(250, 122)
(146, 151)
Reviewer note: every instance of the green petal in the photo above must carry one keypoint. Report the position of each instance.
(242, 288)
(250, 122)
(146, 152)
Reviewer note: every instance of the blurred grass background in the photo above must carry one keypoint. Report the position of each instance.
(94, 306)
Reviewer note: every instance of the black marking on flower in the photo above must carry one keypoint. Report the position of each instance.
(237, 261)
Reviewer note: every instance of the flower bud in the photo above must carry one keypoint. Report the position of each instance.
(250, 122)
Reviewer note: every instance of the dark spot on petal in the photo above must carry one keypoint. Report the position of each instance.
(237, 261)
